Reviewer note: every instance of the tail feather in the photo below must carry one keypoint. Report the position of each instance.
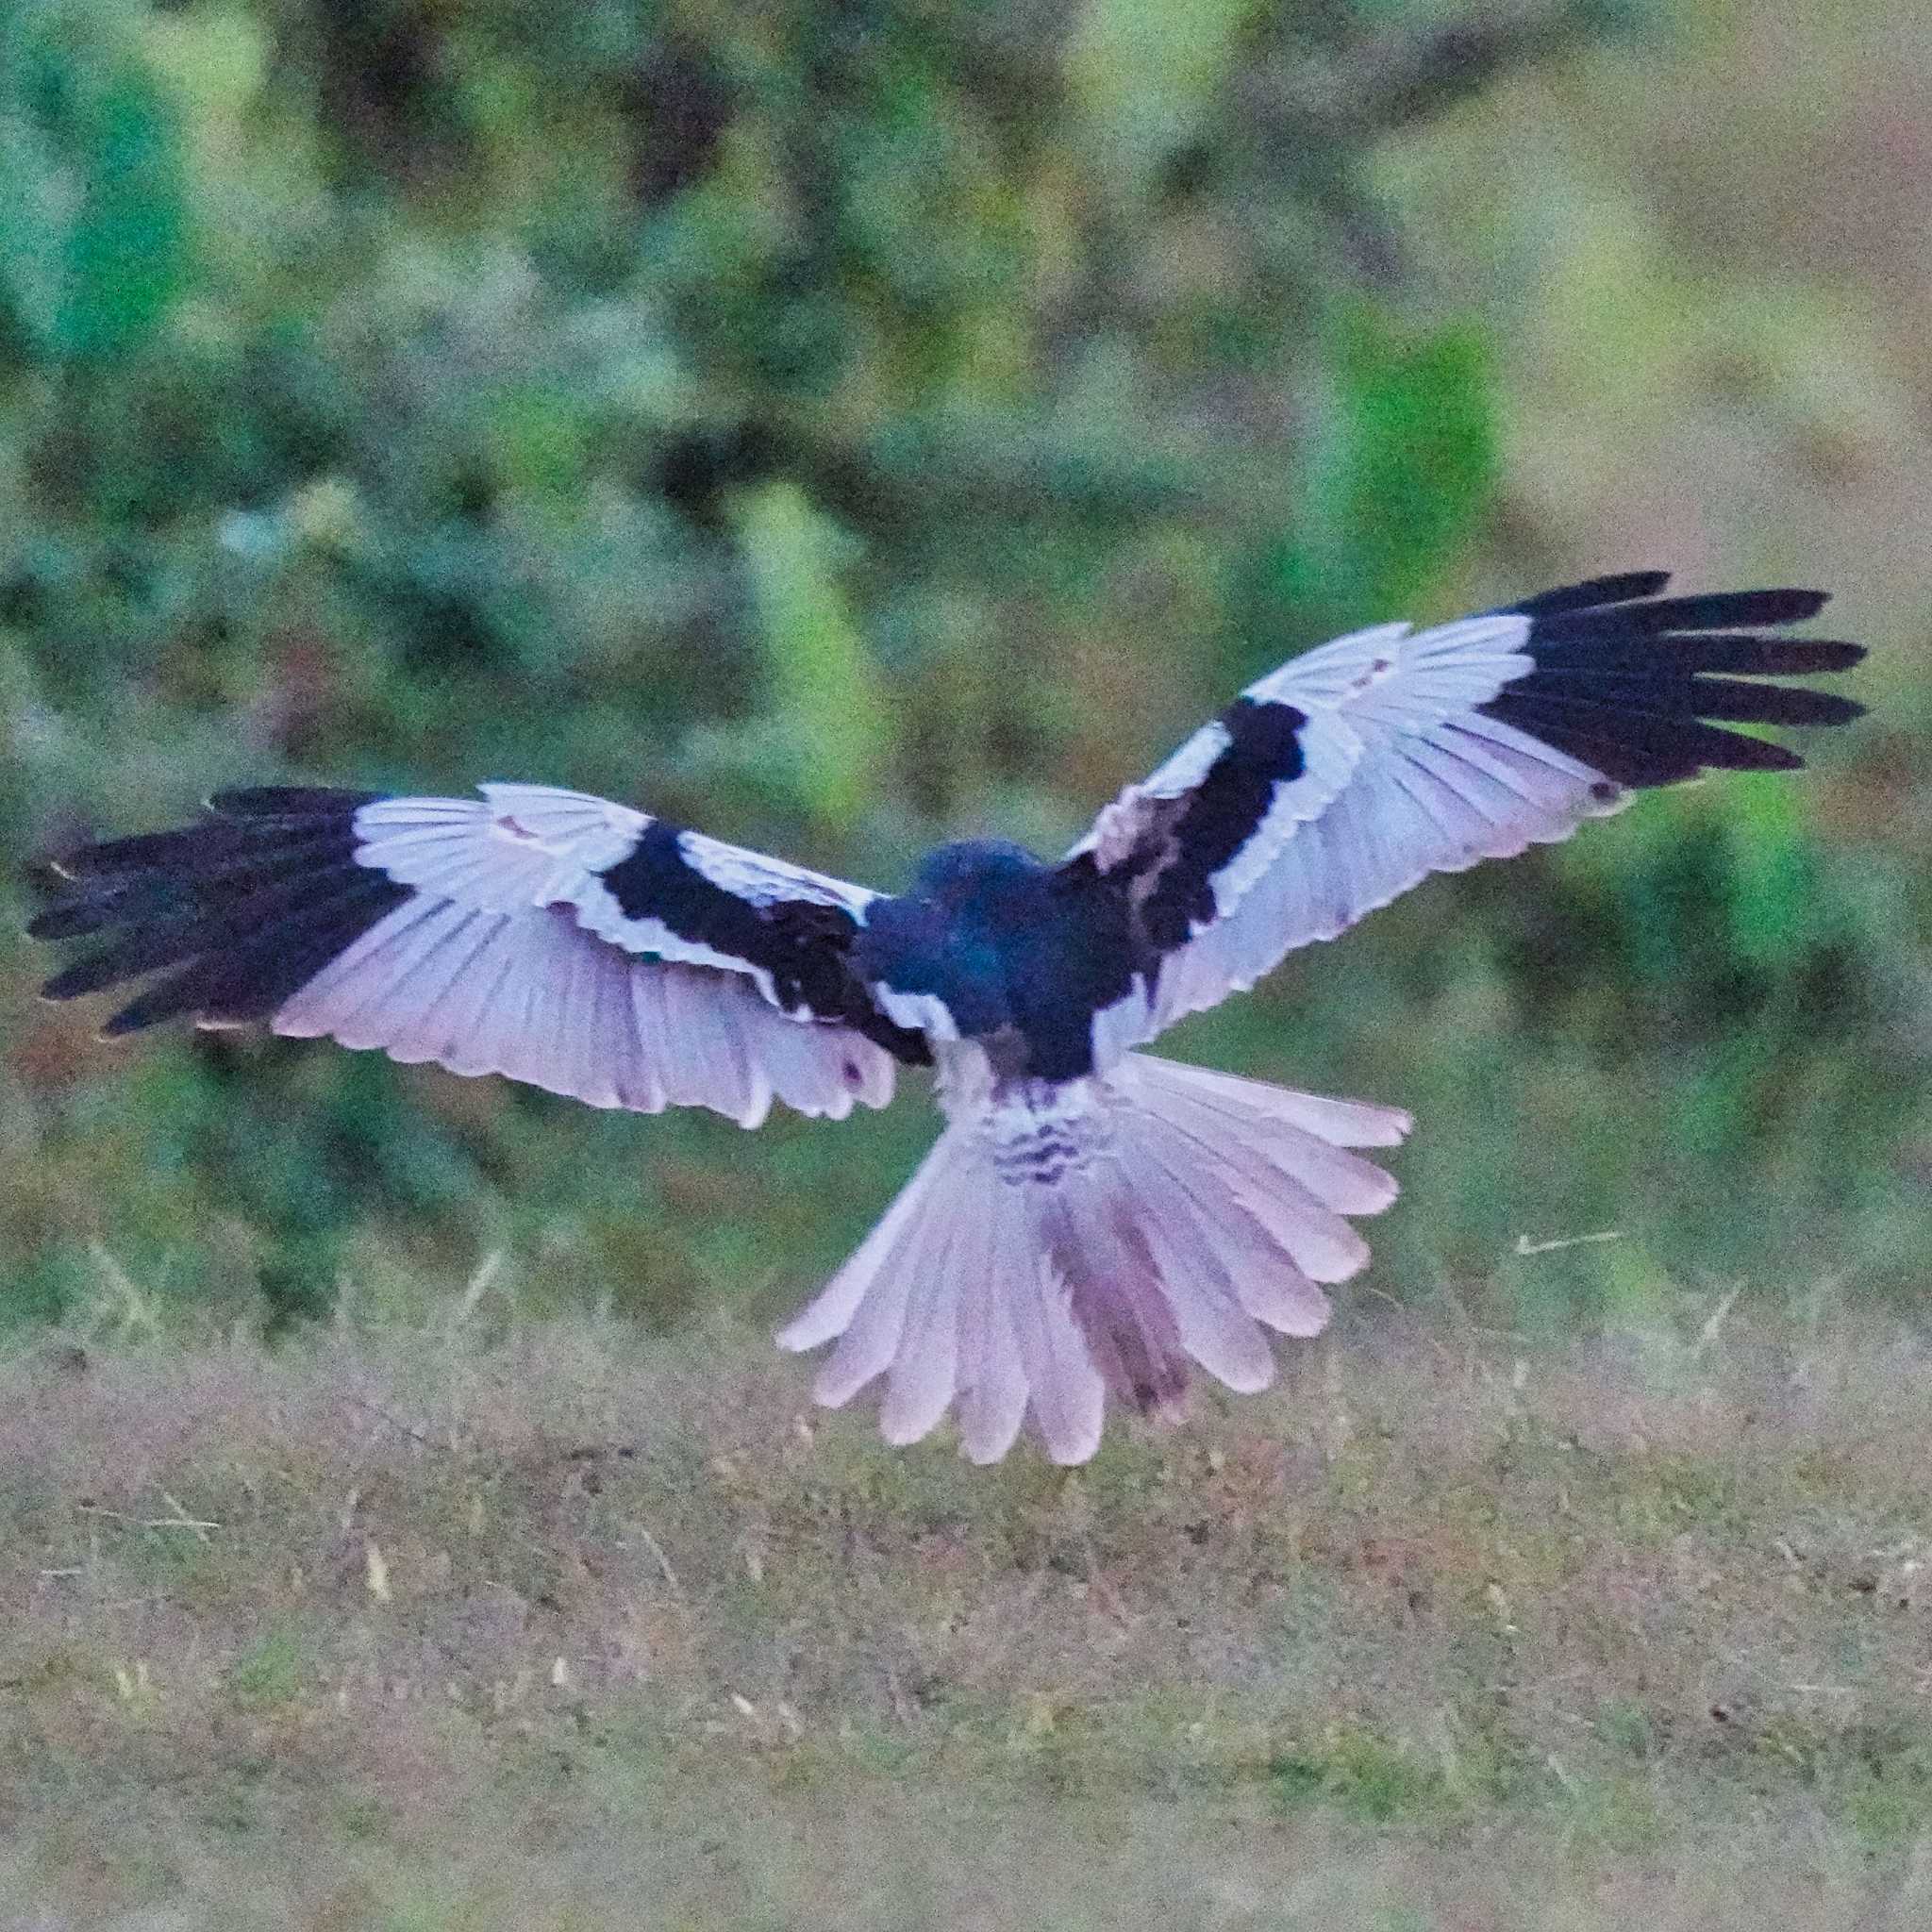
(1066, 1396)
(993, 1376)
(1342, 1181)
(1114, 1283)
(831, 1312)
(1339, 1122)
(1060, 1242)
(870, 1343)
(925, 1370)
(1321, 1243)
(1208, 1248)
(1226, 1244)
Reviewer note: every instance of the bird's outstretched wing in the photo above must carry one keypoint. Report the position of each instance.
(1343, 778)
(542, 934)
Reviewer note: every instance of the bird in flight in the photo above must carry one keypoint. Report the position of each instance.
(1092, 1219)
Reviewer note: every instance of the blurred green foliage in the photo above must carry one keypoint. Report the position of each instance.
(844, 425)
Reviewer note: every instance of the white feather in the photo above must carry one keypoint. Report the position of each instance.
(1401, 776)
(1205, 1247)
(924, 1370)
(760, 879)
(512, 958)
(1065, 1395)
(993, 1376)
(871, 1341)
(533, 997)
(1062, 1236)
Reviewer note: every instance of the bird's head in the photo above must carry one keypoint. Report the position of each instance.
(974, 870)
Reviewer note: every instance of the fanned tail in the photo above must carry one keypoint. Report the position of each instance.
(1107, 1234)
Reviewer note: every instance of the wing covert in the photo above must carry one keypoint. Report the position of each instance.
(546, 935)
(1346, 776)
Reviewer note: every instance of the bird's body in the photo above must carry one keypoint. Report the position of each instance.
(1010, 951)
(1092, 1219)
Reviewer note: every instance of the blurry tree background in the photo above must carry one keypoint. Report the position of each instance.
(844, 425)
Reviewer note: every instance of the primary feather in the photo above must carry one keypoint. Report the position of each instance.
(1092, 1219)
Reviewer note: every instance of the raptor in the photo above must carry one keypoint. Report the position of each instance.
(1093, 1218)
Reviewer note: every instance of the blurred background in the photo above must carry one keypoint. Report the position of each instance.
(844, 426)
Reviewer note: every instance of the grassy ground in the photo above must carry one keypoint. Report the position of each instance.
(564, 1626)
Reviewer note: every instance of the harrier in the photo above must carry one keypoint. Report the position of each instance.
(1092, 1219)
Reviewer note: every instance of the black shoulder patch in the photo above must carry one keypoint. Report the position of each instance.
(1215, 820)
(803, 945)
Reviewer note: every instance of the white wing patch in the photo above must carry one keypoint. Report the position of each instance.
(761, 880)
(1328, 676)
(1437, 787)
(518, 845)
(514, 958)
(1401, 776)
(1355, 691)
(1396, 672)
(533, 845)
(531, 996)
(526, 845)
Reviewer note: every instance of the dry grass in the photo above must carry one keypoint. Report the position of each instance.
(421, 1629)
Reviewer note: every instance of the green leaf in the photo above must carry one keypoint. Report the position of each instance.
(831, 727)
(32, 226)
(1774, 893)
(1145, 74)
(125, 254)
(1403, 467)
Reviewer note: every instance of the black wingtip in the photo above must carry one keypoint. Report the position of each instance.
(1821, 654)
(1634, 598)
(63, 922)
(73, 982)
(1639, 685)
(234, 910)
(1595, 593)
(1827, 708)
(288, 802)
(1721, 610)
